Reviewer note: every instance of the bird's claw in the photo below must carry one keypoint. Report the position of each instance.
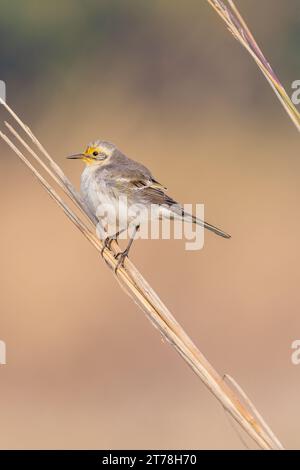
(107, 244)
(121, 258)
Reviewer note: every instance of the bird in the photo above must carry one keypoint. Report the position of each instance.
(112, 183)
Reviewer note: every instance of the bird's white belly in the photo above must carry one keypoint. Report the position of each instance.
(112, 209)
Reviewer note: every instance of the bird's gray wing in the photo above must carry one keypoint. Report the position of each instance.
(136, 178)
(136, 182)
(158, 196)
(154, 193)
(126, 172)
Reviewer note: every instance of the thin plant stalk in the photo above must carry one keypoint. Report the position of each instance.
(140, 291)
(234, 21)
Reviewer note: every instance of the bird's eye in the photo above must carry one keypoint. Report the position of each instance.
(95, 153)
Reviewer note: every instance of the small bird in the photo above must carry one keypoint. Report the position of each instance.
(114, 181)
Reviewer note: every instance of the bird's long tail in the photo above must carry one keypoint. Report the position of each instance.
(210, 227)
(191, 218)
(206, 225)
(178, 212)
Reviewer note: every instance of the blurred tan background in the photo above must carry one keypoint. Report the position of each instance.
(167, 83)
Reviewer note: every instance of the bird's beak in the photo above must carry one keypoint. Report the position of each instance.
(76, 156)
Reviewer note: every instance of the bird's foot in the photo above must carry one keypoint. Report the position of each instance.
(121, 258)
(107, 243)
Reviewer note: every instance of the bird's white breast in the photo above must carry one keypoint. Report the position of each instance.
(109, 206)
(110, 209)
(88, 188)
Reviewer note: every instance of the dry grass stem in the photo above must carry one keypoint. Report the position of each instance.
(137, 287)
(253, 409)
(239, 29)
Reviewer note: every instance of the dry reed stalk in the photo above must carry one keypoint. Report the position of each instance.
(140, 291)
(234, 21)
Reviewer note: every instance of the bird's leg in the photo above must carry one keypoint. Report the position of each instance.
(123, 254)
(108, 240)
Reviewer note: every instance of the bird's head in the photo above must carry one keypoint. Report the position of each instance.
(96, 153)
